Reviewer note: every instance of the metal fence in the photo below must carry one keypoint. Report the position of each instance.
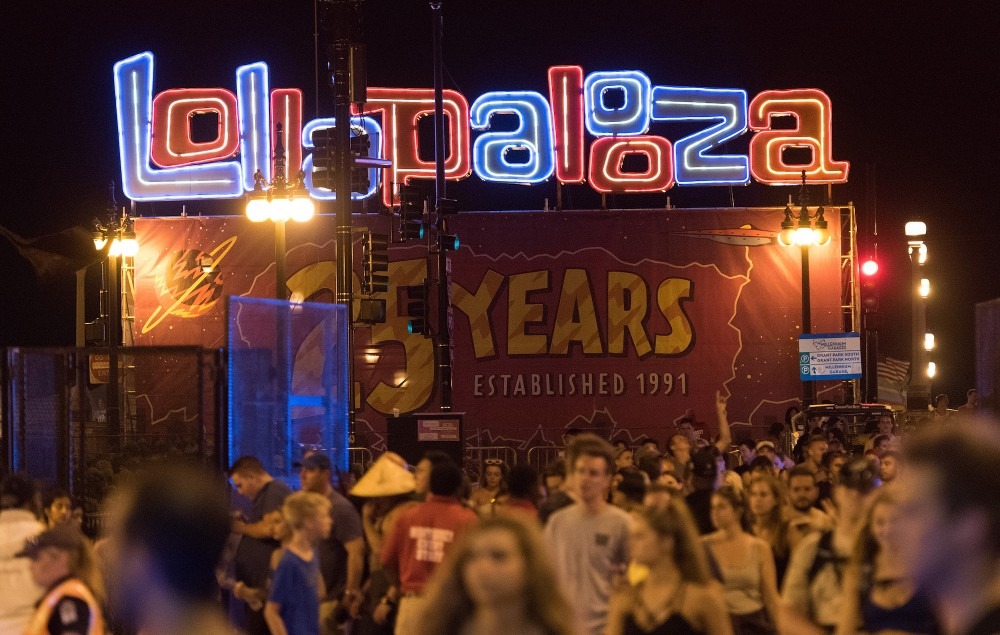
(63, 425)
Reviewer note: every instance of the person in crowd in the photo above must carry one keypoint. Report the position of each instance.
(686, 426)
(746, 563)
(658, 496)
(57, 507)
(815, 448)
(879, 445)
(492, 483)
(677, 595)
(623, 458)
(342, 552)
(166, 531)
(629, 489)
(832, 462)
(522, 494)
(704, 472)
(419, 541)
(252, 560)
(650, 445)
(649, 463)
(949, 541)
(971, 405)
(589, 539)
(422, 472)
(668, 477)
(878, 596)
(747, 448)
(63, 563)
(679, 452)
(18, 522)
(293, 601)
(763, 465)
(940, 412)
(557, 497)
(804, 517)
(812, 596)
(766, 503)
(836, 440)
(889, 468)
(387, 489)
(497, 579)
(553, 477)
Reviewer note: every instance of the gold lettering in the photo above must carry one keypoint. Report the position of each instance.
(622, 285)
(668, 299)
(576, 317)
(476, 307)
(521, 313)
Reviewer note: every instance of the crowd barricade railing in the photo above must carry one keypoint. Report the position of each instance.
(541, 455)
(363, 456)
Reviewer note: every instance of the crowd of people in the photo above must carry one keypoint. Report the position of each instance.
(827, 535)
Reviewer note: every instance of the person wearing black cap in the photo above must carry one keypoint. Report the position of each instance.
(62, 562)
(342, 553)
(704, 470)
(17, 523)
(812, 592)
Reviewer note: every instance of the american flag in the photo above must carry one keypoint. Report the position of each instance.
(893, 376)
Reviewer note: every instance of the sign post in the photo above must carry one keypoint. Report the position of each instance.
(826, 356)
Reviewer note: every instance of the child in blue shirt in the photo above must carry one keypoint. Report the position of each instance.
(293, 602)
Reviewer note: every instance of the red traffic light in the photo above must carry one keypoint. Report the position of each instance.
(869, 267)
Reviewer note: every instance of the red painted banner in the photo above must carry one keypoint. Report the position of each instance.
(616, 321)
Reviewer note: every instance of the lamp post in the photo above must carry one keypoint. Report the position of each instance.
(918, 396)
(117, 239)
(279, 201)
(804, 230)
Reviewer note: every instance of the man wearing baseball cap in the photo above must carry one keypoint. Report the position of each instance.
(342, 553)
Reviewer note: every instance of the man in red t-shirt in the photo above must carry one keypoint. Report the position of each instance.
(419, 541)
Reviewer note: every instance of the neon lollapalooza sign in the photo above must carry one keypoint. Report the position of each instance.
(161, 161)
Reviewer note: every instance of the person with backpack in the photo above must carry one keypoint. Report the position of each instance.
(812, 592)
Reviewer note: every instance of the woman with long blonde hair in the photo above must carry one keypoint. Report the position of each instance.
(497, 579)
(678, 596)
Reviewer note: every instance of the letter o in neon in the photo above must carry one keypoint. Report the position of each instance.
(608, 153)
(172, 109)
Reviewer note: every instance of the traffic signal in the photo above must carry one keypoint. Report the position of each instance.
(869, 285)
(411, 213)
(418, 309)
(360, 145)
(324, 159)
(325, 162)
(375, 263)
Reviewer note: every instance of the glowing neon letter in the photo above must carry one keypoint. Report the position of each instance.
(133, 103)
(255, 122)
(566, 97)
(533, 134)
(813, 114)
(692, 163)
(286, 109)
(401, 109)
(633, 116)
(172, 144)
(608, 153)
(374, 136)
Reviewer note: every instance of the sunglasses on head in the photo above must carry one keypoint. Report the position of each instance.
(493, 462)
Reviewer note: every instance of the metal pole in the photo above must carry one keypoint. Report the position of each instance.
(114, 417)
(807, 395)
(443, 335)
(343, 27)
(919, 393)
(280, 278)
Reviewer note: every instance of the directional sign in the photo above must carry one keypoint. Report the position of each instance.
(829, 356)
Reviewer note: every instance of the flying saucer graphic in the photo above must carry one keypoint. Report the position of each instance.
(185, 287)
(745, 235)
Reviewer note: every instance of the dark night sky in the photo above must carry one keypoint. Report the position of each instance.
(913, 87)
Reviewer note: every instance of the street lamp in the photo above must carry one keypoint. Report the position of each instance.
(116, 238)
(804, 230)
(919, 393)
(279, 201)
